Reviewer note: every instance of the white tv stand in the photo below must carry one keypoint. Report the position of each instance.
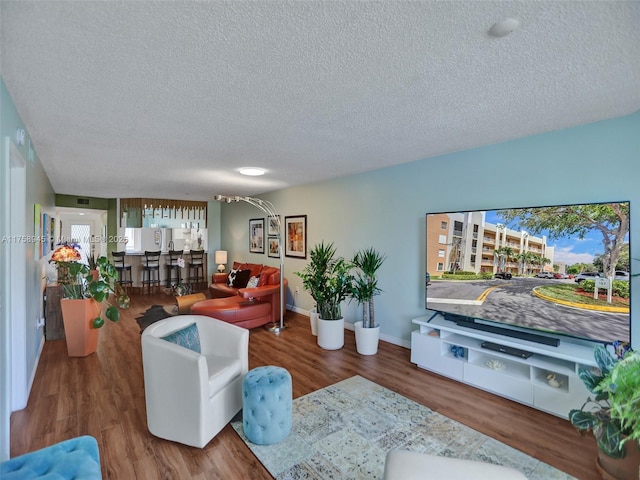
(523, 380)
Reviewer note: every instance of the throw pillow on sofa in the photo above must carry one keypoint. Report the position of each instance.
(232, 276)
(253, 282)
(238, 278)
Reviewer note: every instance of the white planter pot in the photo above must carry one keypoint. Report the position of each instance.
(313, 320)
(331, 334)
(366, 339)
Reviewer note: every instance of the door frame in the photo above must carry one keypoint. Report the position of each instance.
(13, 272)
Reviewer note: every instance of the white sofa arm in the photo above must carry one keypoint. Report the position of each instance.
(177, 376)
(407, 465)
(223, 339)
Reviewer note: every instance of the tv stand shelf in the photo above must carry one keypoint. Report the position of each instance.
(547, 380)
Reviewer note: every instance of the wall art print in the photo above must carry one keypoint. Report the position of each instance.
(295, 228)
(256, 235)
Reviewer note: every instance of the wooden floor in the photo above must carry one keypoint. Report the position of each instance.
(103, 395)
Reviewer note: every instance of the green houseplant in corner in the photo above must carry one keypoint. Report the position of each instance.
(612, 415)
(367, 262)
(314, 277)
(85, 302)
(330, 277)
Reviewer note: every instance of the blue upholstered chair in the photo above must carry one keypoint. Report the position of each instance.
(77, 458)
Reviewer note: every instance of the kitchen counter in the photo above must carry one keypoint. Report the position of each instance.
(136, 260)
(162, 252)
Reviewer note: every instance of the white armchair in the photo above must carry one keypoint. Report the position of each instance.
(408, 465)
(191, 396)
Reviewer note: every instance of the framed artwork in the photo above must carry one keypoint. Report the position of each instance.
(272, 228)
(46, 229)
(295, 236)
(52, 234)
(37, 232)
(273, 249)
(256, 235)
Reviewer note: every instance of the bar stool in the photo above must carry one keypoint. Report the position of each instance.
(150, 269)
(196, 267)
(124, 269)
(172, 265)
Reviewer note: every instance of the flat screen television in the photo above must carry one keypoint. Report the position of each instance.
(524, 270)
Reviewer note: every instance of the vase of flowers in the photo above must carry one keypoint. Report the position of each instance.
(85, 303)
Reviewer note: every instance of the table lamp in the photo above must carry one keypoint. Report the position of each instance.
(221, 259)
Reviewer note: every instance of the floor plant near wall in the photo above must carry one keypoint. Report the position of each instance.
(85, 305)
(328, 280)
(612, 415)
(364, 288)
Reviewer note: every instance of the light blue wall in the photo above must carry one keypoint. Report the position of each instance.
(38, 190)
(386, 208)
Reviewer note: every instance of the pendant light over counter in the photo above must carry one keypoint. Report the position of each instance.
(163, 208)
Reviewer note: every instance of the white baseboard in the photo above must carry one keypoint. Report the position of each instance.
(349, 326)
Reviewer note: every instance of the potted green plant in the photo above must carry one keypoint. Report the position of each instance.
(314, 276)
(85, 293)
(612, 415)
(328, 279)
(367, 262)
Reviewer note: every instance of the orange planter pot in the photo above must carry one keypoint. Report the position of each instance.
(77, 316)
(627, 468)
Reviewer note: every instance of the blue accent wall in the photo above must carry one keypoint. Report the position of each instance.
(386, 208)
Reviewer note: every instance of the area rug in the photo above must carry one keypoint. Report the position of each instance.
(155, 313)
(345, 430)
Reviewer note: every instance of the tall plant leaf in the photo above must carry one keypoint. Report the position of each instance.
(590, 377)
(604, 359)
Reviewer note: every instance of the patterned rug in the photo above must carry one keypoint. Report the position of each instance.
(344, 431)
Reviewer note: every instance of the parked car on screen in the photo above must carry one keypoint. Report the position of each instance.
(544, 275)
(620, 275)
(503, 275)
(559, 275)
(587, 276)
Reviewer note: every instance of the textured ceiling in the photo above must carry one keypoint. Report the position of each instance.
(168, 99)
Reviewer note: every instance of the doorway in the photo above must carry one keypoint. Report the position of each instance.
(85, 227)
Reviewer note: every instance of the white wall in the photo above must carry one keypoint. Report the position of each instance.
(386, 208)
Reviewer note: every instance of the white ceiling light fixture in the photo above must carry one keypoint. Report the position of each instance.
(252, 171)
(504, 27)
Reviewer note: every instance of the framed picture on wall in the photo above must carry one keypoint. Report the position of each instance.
(272, 228)
(295, 232)
(273, 248)
(52, 234)
(45, 234)
(256, 235)
(37, 231)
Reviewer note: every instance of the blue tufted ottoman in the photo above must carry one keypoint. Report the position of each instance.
(76, 458)
(266, 405)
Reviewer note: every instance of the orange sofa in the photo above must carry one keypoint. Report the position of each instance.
(246, 307)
